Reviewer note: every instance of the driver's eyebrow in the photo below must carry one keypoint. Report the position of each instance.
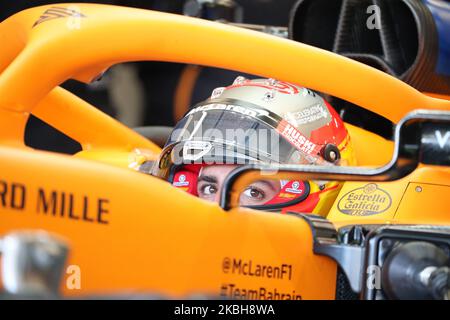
(210, 179)
(266, 183)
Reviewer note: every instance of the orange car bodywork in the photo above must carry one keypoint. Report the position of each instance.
(130, 231)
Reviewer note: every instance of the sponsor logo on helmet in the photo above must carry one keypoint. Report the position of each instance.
(181, 181)
(295, 188)
(365, 201)
(296, 138)
(230, 107)
(271, 84)
(310, 114)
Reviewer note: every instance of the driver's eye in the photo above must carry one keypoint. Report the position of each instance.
(208, 189)
(254, 193)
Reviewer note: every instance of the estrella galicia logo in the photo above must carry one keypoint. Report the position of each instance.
(365, 201)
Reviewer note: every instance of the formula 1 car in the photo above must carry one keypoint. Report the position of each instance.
(387, 236)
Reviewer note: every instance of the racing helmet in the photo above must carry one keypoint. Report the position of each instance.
(260, 121)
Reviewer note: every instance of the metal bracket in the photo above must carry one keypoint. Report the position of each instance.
(349, 258)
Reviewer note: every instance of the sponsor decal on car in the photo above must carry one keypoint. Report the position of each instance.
(52, 202)
(251, 269)
(57, 13)
(365, 201)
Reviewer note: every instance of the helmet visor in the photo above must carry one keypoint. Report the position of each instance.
(224, 133)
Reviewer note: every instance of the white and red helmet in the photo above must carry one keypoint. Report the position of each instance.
(260, 120)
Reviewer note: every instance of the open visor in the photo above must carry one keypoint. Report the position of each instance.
(227, 133)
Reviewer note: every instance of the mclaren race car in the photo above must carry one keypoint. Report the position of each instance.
(96, 223)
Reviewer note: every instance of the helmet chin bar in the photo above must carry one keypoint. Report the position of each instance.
(414, 134)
